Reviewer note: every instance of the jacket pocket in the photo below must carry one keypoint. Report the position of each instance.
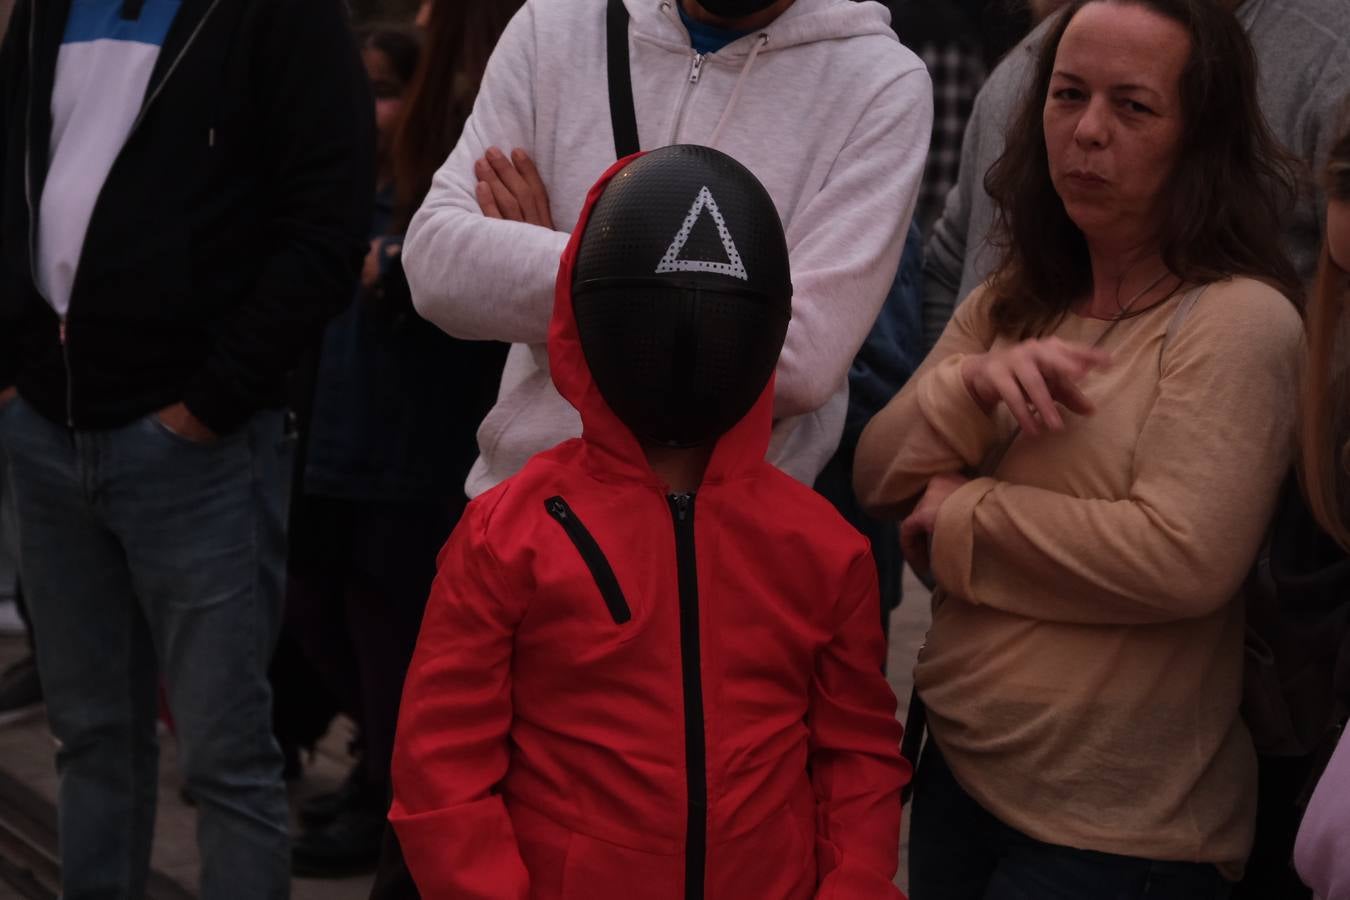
(593, 557)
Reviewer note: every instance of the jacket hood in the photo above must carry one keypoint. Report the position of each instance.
(804, 22)
(613, 450)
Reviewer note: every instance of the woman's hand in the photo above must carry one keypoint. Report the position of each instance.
(1031, 378)
(916, 531)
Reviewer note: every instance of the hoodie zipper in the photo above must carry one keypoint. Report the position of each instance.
(695, 747)
(593, 557)
(695, 72)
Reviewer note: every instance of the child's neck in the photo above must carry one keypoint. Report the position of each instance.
(680, 468)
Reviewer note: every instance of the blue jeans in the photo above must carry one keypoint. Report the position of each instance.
(958, 851)
(146, 556)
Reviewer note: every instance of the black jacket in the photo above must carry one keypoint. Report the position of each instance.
(231, 226)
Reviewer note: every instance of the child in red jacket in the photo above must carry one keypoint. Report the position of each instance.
(650, 665)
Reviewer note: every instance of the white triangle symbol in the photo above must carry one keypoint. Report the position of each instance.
(671, 261)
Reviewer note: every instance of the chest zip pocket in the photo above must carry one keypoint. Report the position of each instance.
(593, 556)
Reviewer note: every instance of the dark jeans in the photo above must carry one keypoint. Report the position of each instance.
(958, 851)
(144, 556)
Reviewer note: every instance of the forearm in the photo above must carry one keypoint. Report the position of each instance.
(1045, 555)
(479, 278)
(934, 426)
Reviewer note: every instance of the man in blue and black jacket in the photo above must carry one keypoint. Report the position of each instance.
(185, 190)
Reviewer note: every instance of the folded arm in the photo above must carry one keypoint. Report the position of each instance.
(1207, 468)
(478, 277)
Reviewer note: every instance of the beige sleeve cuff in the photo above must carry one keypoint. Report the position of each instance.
(952, 550)
(953, 414)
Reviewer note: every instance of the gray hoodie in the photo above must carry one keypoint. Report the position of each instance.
(824, 105)
(1303, 48)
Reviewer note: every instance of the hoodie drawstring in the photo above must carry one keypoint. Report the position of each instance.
(760, 41)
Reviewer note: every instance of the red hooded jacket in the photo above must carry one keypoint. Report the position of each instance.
(621, 693)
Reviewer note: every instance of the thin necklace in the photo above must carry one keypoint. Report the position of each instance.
(1125, 310)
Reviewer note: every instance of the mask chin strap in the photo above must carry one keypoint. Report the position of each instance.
(131, 9)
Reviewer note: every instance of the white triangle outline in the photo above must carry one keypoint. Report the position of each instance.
(671, 262)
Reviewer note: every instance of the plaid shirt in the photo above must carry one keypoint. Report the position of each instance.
(957, 70)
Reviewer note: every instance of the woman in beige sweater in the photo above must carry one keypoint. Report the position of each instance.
(1083, 671)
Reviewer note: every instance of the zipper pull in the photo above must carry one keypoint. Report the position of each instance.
(681, 506)
(696, 69)
(558, 509)
(61, 331)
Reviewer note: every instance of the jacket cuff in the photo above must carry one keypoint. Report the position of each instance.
(952, 551)
(953, 414)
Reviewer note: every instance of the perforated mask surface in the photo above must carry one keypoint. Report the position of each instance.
(682, 294)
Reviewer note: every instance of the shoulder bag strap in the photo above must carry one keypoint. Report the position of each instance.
(622, 115)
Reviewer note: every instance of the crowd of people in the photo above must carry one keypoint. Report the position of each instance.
(556, 389)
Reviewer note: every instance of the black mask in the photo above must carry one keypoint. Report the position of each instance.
(682, 294)
(735, 9)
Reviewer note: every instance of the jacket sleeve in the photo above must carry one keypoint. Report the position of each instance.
(475, 277)
(845, 244)
(932, 426)
(857, 771)
(1207, 467)
(12, 51)
(316, 108)
(451, 749)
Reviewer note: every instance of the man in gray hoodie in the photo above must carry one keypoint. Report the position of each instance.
(816, 97)
(1303, 48)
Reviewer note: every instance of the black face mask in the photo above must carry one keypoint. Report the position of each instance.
(735, 9)
(682, 294)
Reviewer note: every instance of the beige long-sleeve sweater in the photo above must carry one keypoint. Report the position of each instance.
(1083, 675)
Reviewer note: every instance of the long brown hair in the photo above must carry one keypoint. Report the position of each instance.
(1230, 182)
(1326, 400)
(460, 38)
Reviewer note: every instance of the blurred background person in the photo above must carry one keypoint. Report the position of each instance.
(396, 406)
(1322, 851)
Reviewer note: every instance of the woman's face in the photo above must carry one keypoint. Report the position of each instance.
(388, 90)
(1113, 119)
(1338, 233)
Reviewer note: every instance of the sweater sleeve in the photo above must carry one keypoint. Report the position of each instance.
(856, 767)
(845, 244)
(475, 277)
(316, 101)
(451, 748)
(932, 426)
(1207, 468)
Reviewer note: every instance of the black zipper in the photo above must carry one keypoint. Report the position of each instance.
(593, 556)
(695, 749)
